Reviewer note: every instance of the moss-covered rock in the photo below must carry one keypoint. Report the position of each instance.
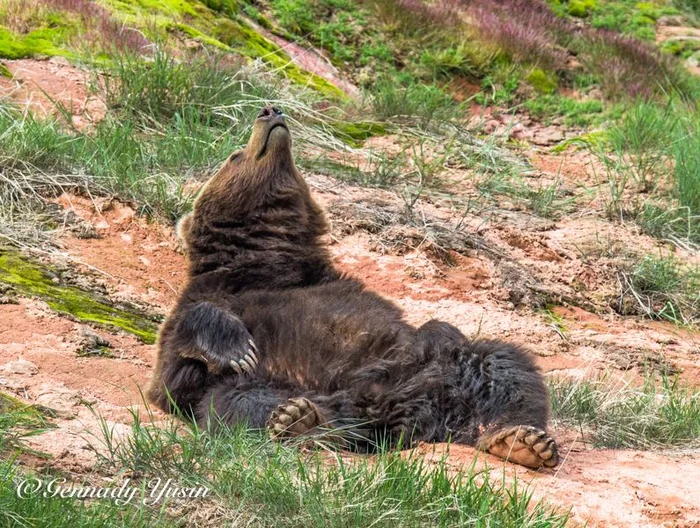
(241, 37)
(199, 36)
(41, 281)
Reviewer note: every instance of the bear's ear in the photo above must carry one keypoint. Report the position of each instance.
(235, 155)
(183, 229)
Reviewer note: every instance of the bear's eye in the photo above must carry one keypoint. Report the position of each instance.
(235, 155)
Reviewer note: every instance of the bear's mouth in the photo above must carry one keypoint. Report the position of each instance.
(277, 124)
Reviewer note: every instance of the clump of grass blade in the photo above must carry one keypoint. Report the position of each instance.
(614, 413)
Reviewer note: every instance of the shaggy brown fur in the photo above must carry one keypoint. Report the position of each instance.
(269, 333)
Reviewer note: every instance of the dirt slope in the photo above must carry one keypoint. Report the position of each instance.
(484, 279)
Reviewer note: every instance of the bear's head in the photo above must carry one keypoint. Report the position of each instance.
(257, 190)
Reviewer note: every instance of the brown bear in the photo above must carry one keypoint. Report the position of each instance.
(268, 332)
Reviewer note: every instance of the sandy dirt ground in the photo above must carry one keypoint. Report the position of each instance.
(482, 294)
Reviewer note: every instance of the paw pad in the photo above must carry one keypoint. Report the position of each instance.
(294, 417)
(524, 445)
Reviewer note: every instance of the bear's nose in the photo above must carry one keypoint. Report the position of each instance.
(269, 111)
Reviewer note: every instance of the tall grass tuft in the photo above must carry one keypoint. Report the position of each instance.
(166, 121)
(533, 36)
(617, 414)
(662, 288)
(627, 66)
(686, 153)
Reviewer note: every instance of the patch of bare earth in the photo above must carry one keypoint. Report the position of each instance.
(40, 85)
(140, 262)
(487, 272)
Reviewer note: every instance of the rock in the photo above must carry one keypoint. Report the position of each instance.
(490, 126)
(517, 132)
(92, 344)
(670, 20)
(548, 136)
(60, 400)
(20, 366)
(59, 61)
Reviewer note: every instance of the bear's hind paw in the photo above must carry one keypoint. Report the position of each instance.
(523, 444)
(295, 417)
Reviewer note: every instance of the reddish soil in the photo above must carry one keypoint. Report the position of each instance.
(38, 360)
(574, 257)
(40, 85)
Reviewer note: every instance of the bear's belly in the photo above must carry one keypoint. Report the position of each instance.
(312, 335)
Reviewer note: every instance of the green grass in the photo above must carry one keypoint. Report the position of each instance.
(690, 8)
(626, 16)
(396, 97)
(575, 113)
(651, 160)
(167, 121)
(263, 483)
(617, 414)
(18, 421)
(661, 287)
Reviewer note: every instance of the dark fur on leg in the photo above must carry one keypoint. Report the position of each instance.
(494, 385)
(235, 401)
(183, 385)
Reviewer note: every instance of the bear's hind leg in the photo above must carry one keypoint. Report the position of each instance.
(510, 403)
(236, 400)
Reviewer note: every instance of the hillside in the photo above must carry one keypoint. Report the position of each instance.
(533, 178)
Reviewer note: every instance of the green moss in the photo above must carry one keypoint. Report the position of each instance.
(244, 39)
(201, 37)
(228, 34)
(180, 7)
(33, 279)
(253, 13)
(96, 351)
(355, 134)
(649, 10)
(581, 8)
(542, 81)
(44, 41)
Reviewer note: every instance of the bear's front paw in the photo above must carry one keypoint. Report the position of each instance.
(249, 362)
(220, 339)
(233, 347)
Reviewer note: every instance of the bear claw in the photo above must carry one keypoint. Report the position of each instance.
(248, 364)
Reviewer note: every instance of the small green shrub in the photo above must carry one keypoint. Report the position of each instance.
(404, 96)
(662, 287)
(581, 8)
(542, 81)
